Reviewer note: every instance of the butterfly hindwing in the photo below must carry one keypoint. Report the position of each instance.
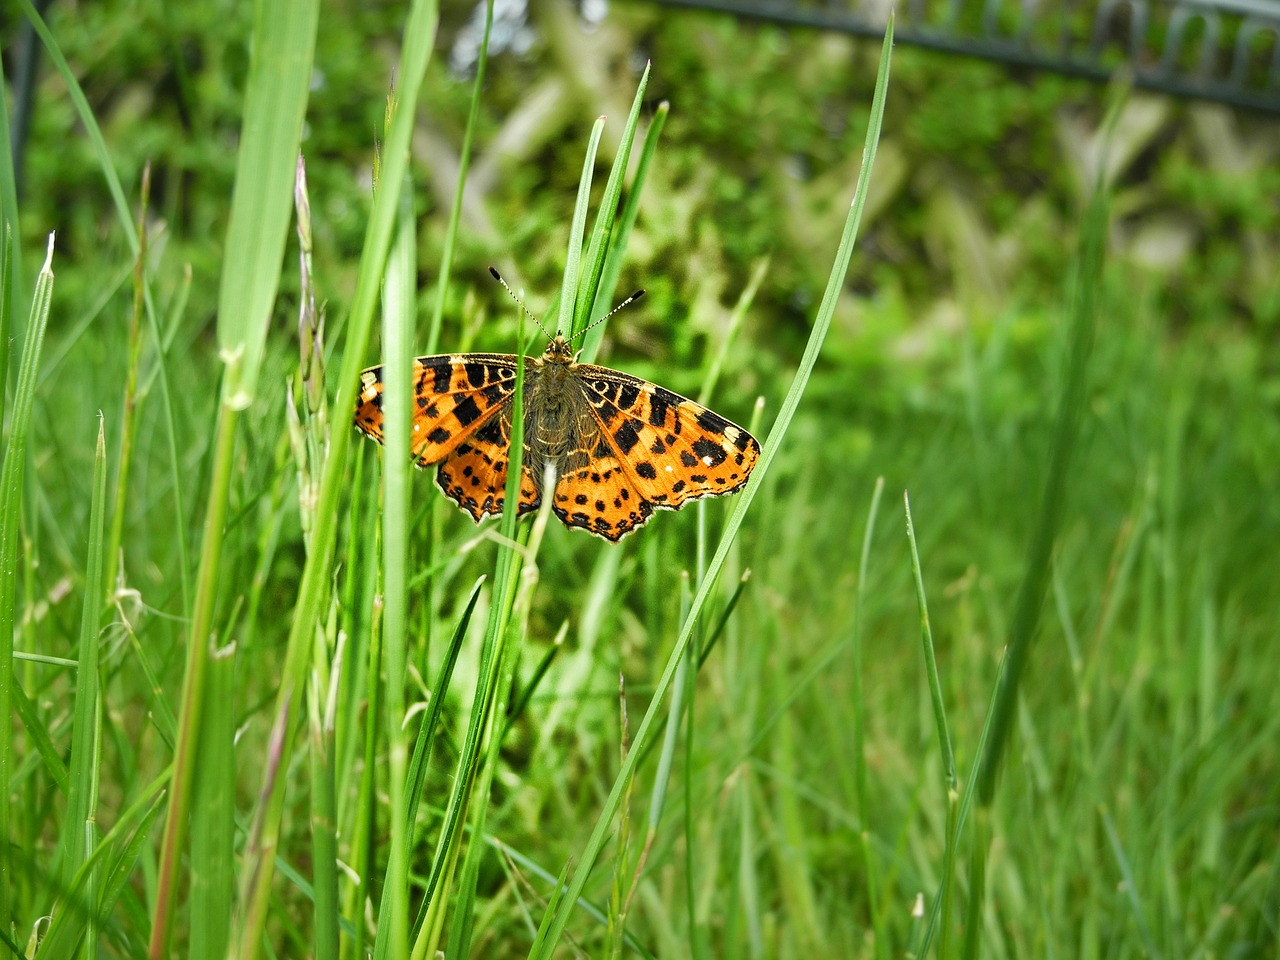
(474, 474)
(665, 448)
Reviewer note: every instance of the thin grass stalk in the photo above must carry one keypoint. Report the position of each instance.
(859, 729)
(524, 582)
(698, 941)
(434, 510)
(275, 102)
(970, 948)
(80, 832)
(455, 210)
(666, 759)
(967, 801)
(322, 695)
(213, 814)
(397, 334)
(739, 313)
(11, 486)
(129, 404)
(505, 577)
(619, 897)
(421, 759)
(366, 807)
(193, 684)
(419, 35)
(553, 928)
(508, 657)
(1026, 616)
(951, 783)
(356, 602)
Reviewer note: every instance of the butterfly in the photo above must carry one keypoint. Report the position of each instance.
(621, 447)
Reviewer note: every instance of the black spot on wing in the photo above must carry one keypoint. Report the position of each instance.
(627, 396)
(626, 437)
(708, 450)
(466, 411)
(491, 432)
(646, 472)
(496, 392)
(443, 379)
(712, 422)
(661, 401)
(475, 374)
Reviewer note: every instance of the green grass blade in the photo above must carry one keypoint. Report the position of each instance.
(322, 695)
(859, 728)
(12, 253)
(1031, 593)
(573, 261)
(86, 725)
(275, 104)
(85, 113)
(11, 484)
(426, 733)
(550, 934)
(951, 783)
(129, 404)
(449, 842)
(213, 815)
(34, 727)
(275, 101)
(626, 222)
(602, 232)
(397, 400)
(419, 35)
(455, 211)
(8, 256)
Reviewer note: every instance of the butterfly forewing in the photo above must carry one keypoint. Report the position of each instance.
(454, 395)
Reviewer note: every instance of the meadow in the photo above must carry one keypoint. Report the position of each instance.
(981, 661)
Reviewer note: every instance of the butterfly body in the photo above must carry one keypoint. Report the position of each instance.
(620, 447)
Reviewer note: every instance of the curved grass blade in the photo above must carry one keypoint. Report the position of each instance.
(11, 481)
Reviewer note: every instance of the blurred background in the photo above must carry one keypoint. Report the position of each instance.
(940, 374)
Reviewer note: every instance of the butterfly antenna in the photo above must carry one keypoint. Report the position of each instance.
(520, 303)
(625, 303)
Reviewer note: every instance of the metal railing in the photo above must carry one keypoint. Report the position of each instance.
(1223, 50)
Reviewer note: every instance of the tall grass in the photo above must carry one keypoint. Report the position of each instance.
(768, 726)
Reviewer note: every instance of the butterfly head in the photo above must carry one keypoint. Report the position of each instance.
(559, 350)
